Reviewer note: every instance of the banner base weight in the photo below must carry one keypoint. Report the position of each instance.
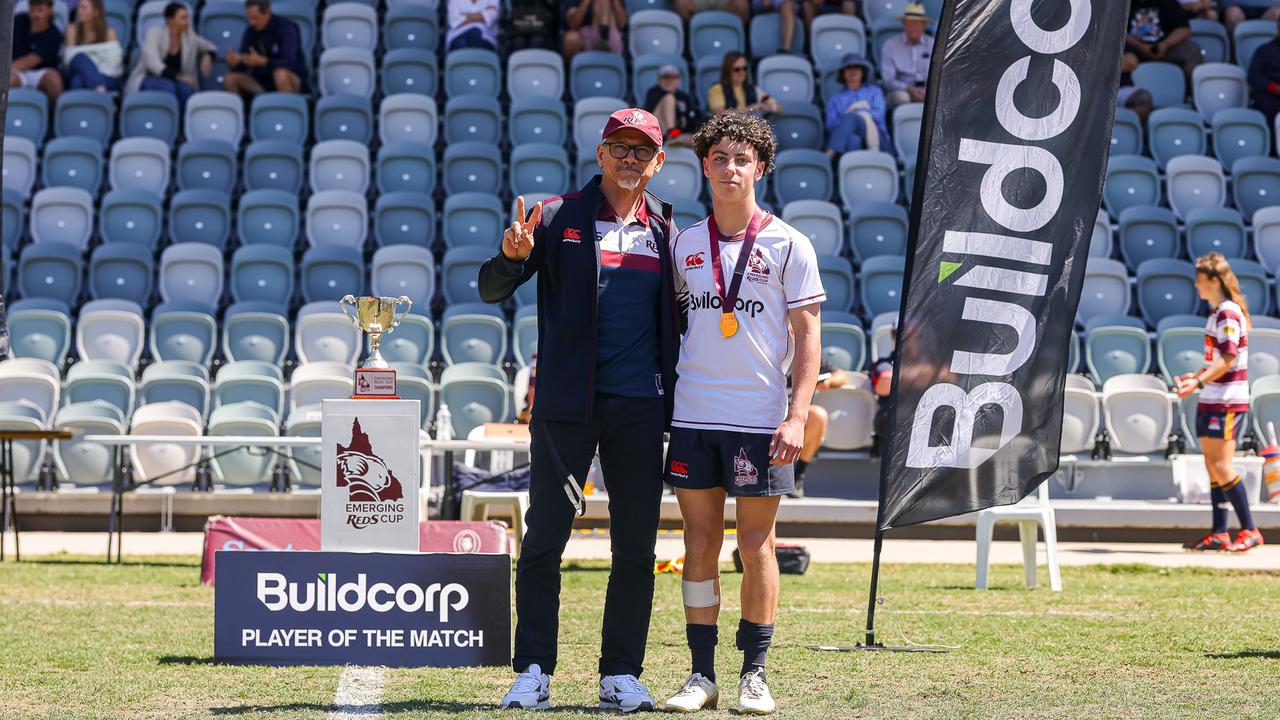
(878, 648)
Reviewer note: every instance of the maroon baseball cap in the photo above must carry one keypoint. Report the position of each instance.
(634, 119)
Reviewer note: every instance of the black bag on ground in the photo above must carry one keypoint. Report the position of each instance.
(792, 559)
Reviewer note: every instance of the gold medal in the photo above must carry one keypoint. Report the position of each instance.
(728, 324)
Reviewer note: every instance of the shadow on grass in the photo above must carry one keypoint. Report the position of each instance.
(128, 563)
(408, 706)
(1245, 655)
(186, 660)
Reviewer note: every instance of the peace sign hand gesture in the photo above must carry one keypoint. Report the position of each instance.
(517, 240)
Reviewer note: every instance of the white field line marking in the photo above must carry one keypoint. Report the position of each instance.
(359, 693)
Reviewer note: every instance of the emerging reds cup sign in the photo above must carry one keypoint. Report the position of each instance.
(369, 475)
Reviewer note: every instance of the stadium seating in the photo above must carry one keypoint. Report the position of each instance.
(1211, 229)
(1211, 37)
(1174, 132)
(1146, 233)
(182, 330)
(1139, 413)
(1195, 181)
(1238, 133)
(20, 163)
(39, 328)
(140, 163)
(344, 117)
(151, 114)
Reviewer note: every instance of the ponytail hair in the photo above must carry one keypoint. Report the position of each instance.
(1215, 267)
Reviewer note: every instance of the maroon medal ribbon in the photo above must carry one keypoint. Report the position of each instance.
(728, 320)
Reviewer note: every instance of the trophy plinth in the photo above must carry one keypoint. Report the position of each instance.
(375, 378)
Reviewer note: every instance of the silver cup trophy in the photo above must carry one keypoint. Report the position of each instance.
(375, 378)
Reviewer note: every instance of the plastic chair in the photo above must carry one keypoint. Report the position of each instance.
(274, 165)
(1266, 237)
(789, 78)
(165, 464)
(799, 126)
(1251, 35)
(1028, 515)
(250, 381)
(62, 214)
(410, 70)
(404, 218)
(303, 14)
(243, 467)
(472, 118)
(1196, 181)
(350, 25)
(1132, 181)
(214, 115)
(1163, 80)
(680, 176)
(1211, 37)
(347, 71)
(1138, 412)
(472, 167)
(838, 281)
(688, 212)
(850, 410)
(121, 271)
(110, 330)
(405, 27)
(1175, 132)
(1166, 287)
(1081, 415)
(268, 217)
(406, 167)
(764, 35)
(907, 123)
(339, 165)
(191, 273)
(459, 273)
(1100, 242)
(51, 270)
(206, 165)
(878, 229)
(222, 22)
(1105, 290)
(140, 163)
(1146, 233)
(262, 273)
(279, 116)
(597, 75)
(27, 115)
(39, 328)
(472, 219)
(151, 114)
(818, 220)
(1254, 284)
(337, 218)
(255, 331)
(73, 162)
(538, 120)
(1216, 229)
(1216, 86)
(1126, 133)
(183, 331)
(344, 117)
(331, 271)
(473, 332)
(881, 284)
(85, 463)
(412, 343)
(31, 381)
(539, 168)
(1116, 345)
(404, 270)
(1256, 183)
(713, 32)
(1238, 133)
(325, 334)
(85, 113)
(474, 396)
(20, 163)
(473, 71)
(314, 382)
(178, 381)
(656, 31)
(202, 216)
(844, 344)
(535, 73)
(524, 334)
(407, 117)
(866, 176)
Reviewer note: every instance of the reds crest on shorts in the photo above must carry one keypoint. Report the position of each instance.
(744, 473)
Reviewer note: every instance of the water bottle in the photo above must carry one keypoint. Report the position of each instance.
(444, 423)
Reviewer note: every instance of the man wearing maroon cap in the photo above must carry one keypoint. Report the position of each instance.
(608, 339)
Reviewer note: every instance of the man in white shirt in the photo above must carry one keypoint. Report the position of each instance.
(472, 24)
(905, 58)
(748, 283)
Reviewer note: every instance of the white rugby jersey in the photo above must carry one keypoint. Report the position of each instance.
(1225, 332)
(739, 383)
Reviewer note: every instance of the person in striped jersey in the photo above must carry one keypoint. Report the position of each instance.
(1224, 401)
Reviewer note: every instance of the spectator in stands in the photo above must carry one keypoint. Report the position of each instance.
(686, 8)
(1200, 9)
(270, 56)
(534, 24)
(473, 24)
(173, 57)
(882, 386)
(856, 114)
(735, 91)
(786, 10)
(810, 9)
(595, 25)
(37, 45)
(904, 59)
(1264, 78)
(815, 427)
(673, 107)
(95, 59)
(525, 416)
(1234, 13)
(1158, 30)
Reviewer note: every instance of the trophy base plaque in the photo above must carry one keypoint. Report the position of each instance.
(375, 384)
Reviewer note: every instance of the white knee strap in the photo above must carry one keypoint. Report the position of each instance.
(699, 594)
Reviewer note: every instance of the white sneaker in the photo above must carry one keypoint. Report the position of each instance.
(753, 694)
(530, 691)
(625, 693)
(698, 693)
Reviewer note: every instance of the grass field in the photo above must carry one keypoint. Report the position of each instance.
(82, 640)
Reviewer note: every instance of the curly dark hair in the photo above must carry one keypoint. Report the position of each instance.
(738, 127)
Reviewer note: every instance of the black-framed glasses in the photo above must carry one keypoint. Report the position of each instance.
(740, 68)
(619, 151)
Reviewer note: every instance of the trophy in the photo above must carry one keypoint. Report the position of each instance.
(375, 378)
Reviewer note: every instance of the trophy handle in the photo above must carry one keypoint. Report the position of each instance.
(346, 301)
(408, 304)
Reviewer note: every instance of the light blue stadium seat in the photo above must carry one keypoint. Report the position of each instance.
(151, 114)
(413, 342)
(1179, 346)
(1174, 132)
(1211, 36)
(279, 116)
(818, 220)
(473, 332)
(635, 6)
(789, 78)
(50, 270)
(408, 270)
(404, 218)
(802, 175)
(765, 35)
(200, 216)
(344, 117)
(413, 382)
(121, 271)
(406, 167)
(878, 229)
(13, 223)
(274, 165)
(834, 36)
(1251, 35)
(214, 115)
(25, 455)
(907, 122)
(877, 11)
(473, 71)
(406, 26)
(880, 283)
(73, 162)
(39, 328)
(323, 334)
(303, 14)
(524, 334)
(349, 24)
(331, 271)
(1146, 233)
(268, 217)
(1126, 133)
(680, 176)
(459, 272)
(206, 165)
(176, 381)
(644, 72)
(655, 31)
(714, 32)
(472, 118)
(62, 214)
(688, 212)
(540, 168)
(1266, 237)
(1256, 183)
(131, 216)
(340, 165)
(1164, 81)
(1116, 345)
(140, 163)
(866, 176)
(1194, 181)
(304, 461)
(408, 117)
(85, 113)
(102, 381)
(191, 273)
(410, 70)
(262, 273)
(20, 163)
(1166, 287)
(347, 71)
(255, 331)
(706, 72)
(1254, 284)
(1216, 229)
(472, 167)
(337, 218)
(81, 462)
(1264, 402)
(799, 126)
(1218, 86)
(474, 397)
(249, 381)
(1105, 290)
(244, 467)
(27, 115)
(182, 331)
(881, 31)
(473, 219)
(1132, 181)
(844, 343)
(538, 120)
(1240, 132)
(597, 74)
(535, 73)
(838, 280)
(222, 22)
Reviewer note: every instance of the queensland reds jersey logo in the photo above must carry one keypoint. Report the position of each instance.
(694, 260)
(744, 473)
(635, 118)
(757, 269)
(365, 475)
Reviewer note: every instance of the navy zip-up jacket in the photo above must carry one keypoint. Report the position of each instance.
(566, 258)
